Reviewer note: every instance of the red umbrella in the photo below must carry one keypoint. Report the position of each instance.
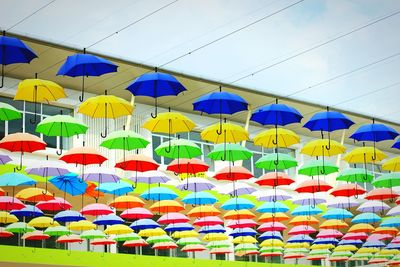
(4, 233)
(135, 243)
(2, 192)
(96, 209)
(271, 226)
(377, 261)
(242, 223)
(347, 190)
(35, 235)
(313, 186)
(208, 221)
(102, 241)
(138, 163)
(271, 254)
(275, 179)
(69, 239)
(334, 259)
(293, 256)
(136, 214)
(316, 257)
(83, 156)
(191, 166)
(10, 203)
(56, 204)
(233, 173)
(381, 194)
(22, 142)
(164, 245)
(193, 248)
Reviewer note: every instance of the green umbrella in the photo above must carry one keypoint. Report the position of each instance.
(355, 175)
(246, 246)
(296, 250)
(229, 152)
(362, 256)
(271, 249)
(218, 244)
(8, 112)
(342, 254)
(188, 241)
(57, 231)
(92, 234)
(276, 161)
(127, 237)
(19, 227)
(387, 180)
(61, 125)
(125, 140)
(320, 252)
(180, 148)
(159, 239)
(318, 167)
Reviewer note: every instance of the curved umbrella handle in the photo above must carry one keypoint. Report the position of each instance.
(82, 96)
(105, 133)
(156, 110)
(328, 147)
(2, 75)
(59, 152)
(186, 186)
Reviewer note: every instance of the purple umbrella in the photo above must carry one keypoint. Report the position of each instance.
(238, 189)
(310, 199)
(195, 185)
(150, 177)
(343, 202)
(271, 195)
(100, 175)
(48, 168)
(4, 159)
(373, 206)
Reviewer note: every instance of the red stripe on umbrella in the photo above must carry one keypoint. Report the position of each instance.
(233, 173)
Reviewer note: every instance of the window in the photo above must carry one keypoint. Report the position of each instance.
(27, 109)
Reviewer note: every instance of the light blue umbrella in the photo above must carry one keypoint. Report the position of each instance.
(69, 183)
(247, 231)
(272, 207)
(338, 214)
(15, 179)
(392, 246)
(144, 224)
(212, 229)
(199, 198)
(373, 244)
(27, 211)
(69, 216)
(300, 239)
(159, 193)
(391, 222)
(173, 227)
(109, 219)
(117, 189)
(367, 217)
(237, 203)
(270, 235)
(354, 242)
(306, 210)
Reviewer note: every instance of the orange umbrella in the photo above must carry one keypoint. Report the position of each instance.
(239, 214)
(203, 211)
(233, 173)
(138, 163)
(165, 206)
(304, 220)
(126, 202)
(91, 192)
(381, 194)
(34, 194)
(274, 179)
(361, 228)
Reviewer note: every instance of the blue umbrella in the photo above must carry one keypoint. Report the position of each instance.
(396, 144)
(276, 114)
(86, 65)
(156, 84)
(354, 242)
(272, 207)
(300, 239)
(109, 219)
(328, 121)
(367, 217)
(13, 50)
(27, 211)
(220, 103)
(69, 183)
(237, 203)
(173, 227)
(199, 198)
(306, 210)
(392, 246)
(391, 222)
(212, 229)
(117, 189)
(15, 179)
(337, 213)
(374, 244)
(270, 235)
(144, 224)
(330, 240)
(159, 193)
(69, 216)
(247, 231)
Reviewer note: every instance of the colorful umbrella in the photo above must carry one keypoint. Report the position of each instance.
(267, 138)
(69, 239)
(173, 217)
(381, 194)
(178, 148)
(310, 198)
(307, 210)
(274, 179)
(366, 217)
(317, 167)
(42, 222)
(82, 226)
(276, 161)
(199, 198)
(115, 189)
(191, 166)
(203, 211)
(69, 216)
(144, 224)
(56, 204)
(10, 203)
(272, 207)
(355, 175)
(273, 217)
(8, 112)
(34, 194)
(138, 163)
(237, 204)
(387, 180)
(318, 148)
(109, 219)
(231, 133)
(195, 185)
(83, 155)
(15, 179)
(364, 155)
(233, 173)
(392, 164)
(337, 213)
(373, 206)
(92, 234)
(313, 186)
(6, 218)
(159, 193)
(136, 213)
(347, 190)
(57, 231)
(27, 211)
(272, 195)
(126, 202)
(96, 209)
(19, 227)
(69, 183)
(118, 229)
(229, 152)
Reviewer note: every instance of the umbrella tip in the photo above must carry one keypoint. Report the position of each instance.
(84, 50)
(155, 69)
(4, 33)
(220, 88)
(276, 101)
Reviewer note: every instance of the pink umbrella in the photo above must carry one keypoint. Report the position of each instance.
(241, 223)
(96, 209)
(302, 230)
(271, 226)
(173, 217)
(355, 236)
(136, 214)
(379, 237)
(329, 233)
(396, 240)
(164, 245)
(10, 203)
(69, 239)
(208, 221)
(56, 204)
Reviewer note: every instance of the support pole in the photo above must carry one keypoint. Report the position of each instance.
(246, 127)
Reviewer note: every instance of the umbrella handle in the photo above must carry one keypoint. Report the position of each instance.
(59, 152)
(2, 76)
(219, 131)
(156, 110)
(186, 186)
(328, 147)
(105, 133)
(19, 168)
(82, 96)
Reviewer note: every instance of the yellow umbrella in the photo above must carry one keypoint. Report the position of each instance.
(43, 222)
(239, 214)
(184, 234)
(267, 138)
(345, 248)
(389, 252)
(368, 250)
(107, 107)
(322, 246)
(215, 237)
(231, 133)
(203, 211)
(118, 229)
(272, 243)
(364, 155)
(333, 224)
(169, 123)
(6, 217)
(297, 245)
(151, 232)
(392, 164)
(39, 91)
(126, 202)
(319, 148)
(34, 194)
(304, 220)
(165, 206)
(361, 228)
(273, 217)
(81, 226)
(244, 240)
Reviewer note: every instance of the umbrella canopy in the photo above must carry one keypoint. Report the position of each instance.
(7, 218)
(83, 155)
(193, 248)
(355, 175)
(178, 148)
(375, 132)
(159, 193)
(57, 231)
(139, 163)
(229, 152)
(173, 217)
(203, 211)
(276, 114)
(199, 198)
(381, 194)
(10, 203)
(276, 161)
(342, 202)
(195, 185)
(220, 103)
(319, 148)
(151, 232)
(272, 195)
(54, 205)
(42, 222)
(329, 233)
(233, 173)
(313, 186)
(96, 209)
(306, 210)
(241, 223)
(271, 226)
(361, 227)
(364, 155)
(61, 125)
(69, 239)
(135, 243)
(68, 216)
(302, 230)
(27, 211)
(366, 217)
(318, 167)
(4, 233)
(237, 189)
(35, 235)
(267, 138)
(274, 179)
(109, 219)
(169, 123)
(347, 190)
(100, 175)
(272, 207)
(231, 133)
(387, 180)
(150, 177)
(118, 229)
(237, 204)
(69, 183)
(15, 179)
(144, 224)
(246, 231)
(333, 224)
(92, 234)
(392, 164)
(373, 206)
(127, 237)
(126, 202)
(125, 140)
(34, 194)
(173, 227)
(164, 245)
(310, 198)
(273, 217)
(136, 213)
(82, 226)
(116, 189)
(304, 220)
(191, 166)
(8, 112)
(166, 206)
(48, 168)
(19, 227)
(328, 121)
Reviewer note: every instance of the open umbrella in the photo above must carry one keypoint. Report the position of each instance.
(347, 190)
(126, 202)
(8, 112)
(159, 193)
(136, 213)
(355, 175)
(22, 142)
(96, 209)
(229, 152)
(107, 107)
(68, 216)
(392, 164)
(199, 198)
(85, 65)
(27, 211)
(178, 148)
(267, 138)
(317, 167)
(116, 189)
(276, 161)
(155, 85)
(69, 183)
(53, 205)
(10, 203)
(34, 194)
(12, 51)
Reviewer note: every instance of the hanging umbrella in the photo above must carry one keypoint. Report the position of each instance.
(191, 166)
(195, 185)
(6, 218)
(35, 235)
(313, 186)
(69, 239)
(69, 183)
(391, 222)
(61, 125)
(38, 91)
(364, 155)
(188, 241)
(342, 202)
(271, 226)
(276, 161)
(229, 152)
(126, 202)
(394, 211)
(355, 175)
(276, 114)
(173, 217)
(337, 213)
(8, 112)
(116, 189)
(270, 235)
(27, 211)
(233, 173)
(392, 164)
(83, 155)
(57, 231)
(10, 203)
(381, 194)
(231, 133)
(241, 223)
(82, 226)
(4, 233)
(215, 237)
(237, 204)
(310, 198)
(203, 211)
(19, 228)
(302, 230)
(329, 233)
(150, 177)
(164, 245)
(107, 107)
(56, 204)
(183, 234)
(237, 190)
(136, 213)
(151, 232)
(144, 224)
(22, 142)
(267, 138)
(92, 234)
(355, 236)
(96, 209)
(174, 227)
(318, 167)
(137, 163)
(366, 217)
(361, 227)
(15, 179)
(100, 175)
(158, 239)
(304, 220)
(211, 229)
(333, 224)
(272, 207)
(155, 85)
(193, 248)
(34, 194)
(318, 148)
(135, 243)
(387, 180)
(328, 121)
(272, 195)
(306, 210)
(273, 217)
(159, 193)
(42, 222)
(127, 237)
(85, 65)
(68, 216)
(373, 206)
(347, 190)
(274, 179)
(117, 229)
(178, 148)
(243, 232)
(199, 198)
(48, 168)
(166, 206)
